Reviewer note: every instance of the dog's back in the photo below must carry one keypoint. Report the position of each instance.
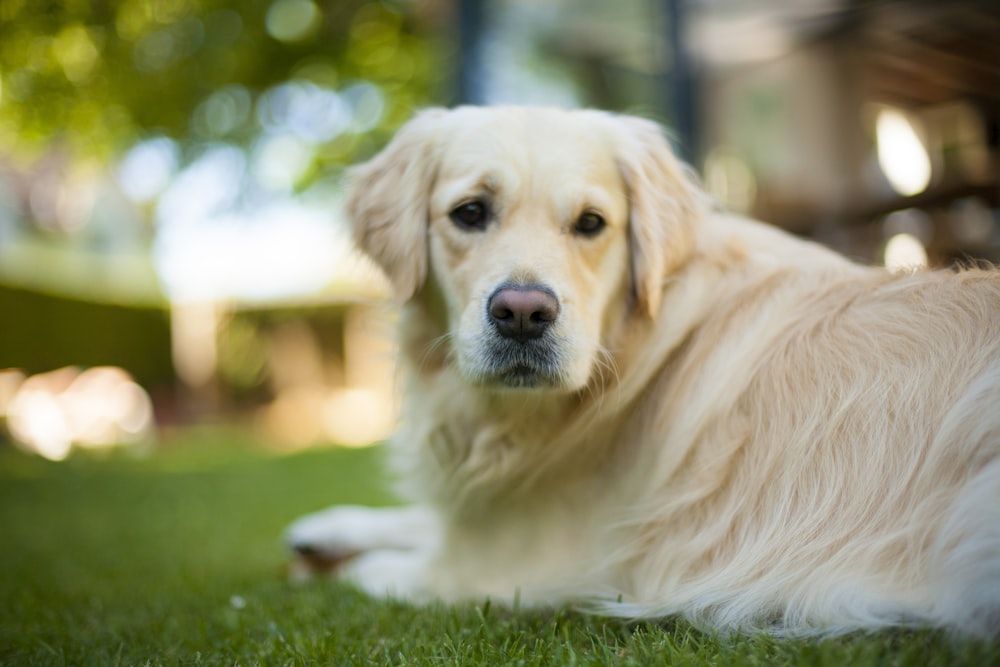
(840, 436)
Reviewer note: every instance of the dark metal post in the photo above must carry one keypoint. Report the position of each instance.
(470, 56)
(681, 79)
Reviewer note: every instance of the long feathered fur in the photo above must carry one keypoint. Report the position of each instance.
(775, 438)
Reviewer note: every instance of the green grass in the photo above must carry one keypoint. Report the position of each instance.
(176, 559)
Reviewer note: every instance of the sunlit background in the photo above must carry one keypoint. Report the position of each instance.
(172, 250)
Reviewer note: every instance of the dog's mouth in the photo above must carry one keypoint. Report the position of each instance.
(521, 376)
(521, 366)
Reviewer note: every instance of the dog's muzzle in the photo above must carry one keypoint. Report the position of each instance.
(521, 354)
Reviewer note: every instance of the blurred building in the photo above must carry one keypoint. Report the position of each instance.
(848, 121)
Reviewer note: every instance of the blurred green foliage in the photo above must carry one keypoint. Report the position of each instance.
(94, 77)
(39, 333)
(243, 356)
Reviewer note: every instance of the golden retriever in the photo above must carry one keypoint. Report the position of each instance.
(621, 399)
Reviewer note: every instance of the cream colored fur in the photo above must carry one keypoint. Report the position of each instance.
(745, 429)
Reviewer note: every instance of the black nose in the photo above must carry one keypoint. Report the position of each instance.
(523, 312)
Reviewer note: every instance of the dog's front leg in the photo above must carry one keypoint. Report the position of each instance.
(384, 551)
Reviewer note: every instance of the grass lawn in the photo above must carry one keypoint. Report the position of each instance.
(176, 559)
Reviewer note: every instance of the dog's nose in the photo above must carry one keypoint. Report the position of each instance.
(523, 312)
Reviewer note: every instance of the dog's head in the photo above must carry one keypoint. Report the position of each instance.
(537, 229)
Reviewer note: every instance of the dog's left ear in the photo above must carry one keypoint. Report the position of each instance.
(665, 205)
(388, 202)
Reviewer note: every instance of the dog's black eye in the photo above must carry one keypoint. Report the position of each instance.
(589, 224)
(471, 215)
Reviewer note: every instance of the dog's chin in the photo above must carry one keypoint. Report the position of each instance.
(522, 377)
(505, 365)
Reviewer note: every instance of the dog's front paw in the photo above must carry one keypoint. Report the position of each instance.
(331, 535)
(389, 573)
(325, 541)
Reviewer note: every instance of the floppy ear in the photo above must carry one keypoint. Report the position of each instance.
(388, 202)
(665, 205)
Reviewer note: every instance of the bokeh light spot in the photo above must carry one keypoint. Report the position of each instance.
(292, 20)
(76, 53)
(225, 111)
(147, 169)
(154, 51)
(905, 252)
(279, 162)
(901, 153)
(304, 110)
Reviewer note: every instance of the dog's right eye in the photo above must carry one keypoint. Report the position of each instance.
(471, 215)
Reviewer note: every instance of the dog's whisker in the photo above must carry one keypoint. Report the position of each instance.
(432, 347)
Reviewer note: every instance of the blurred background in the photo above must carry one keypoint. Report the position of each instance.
(172, 251)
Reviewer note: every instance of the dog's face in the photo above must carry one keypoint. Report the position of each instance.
(535, 231)
(528, 244)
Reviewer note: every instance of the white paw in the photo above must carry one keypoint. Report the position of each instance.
(327, 538)
(389, 573)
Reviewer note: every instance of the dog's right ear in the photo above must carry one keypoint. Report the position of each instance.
(388, 202)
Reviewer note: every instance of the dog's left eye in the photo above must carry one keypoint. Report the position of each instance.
(471, 215)
(589, 224)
